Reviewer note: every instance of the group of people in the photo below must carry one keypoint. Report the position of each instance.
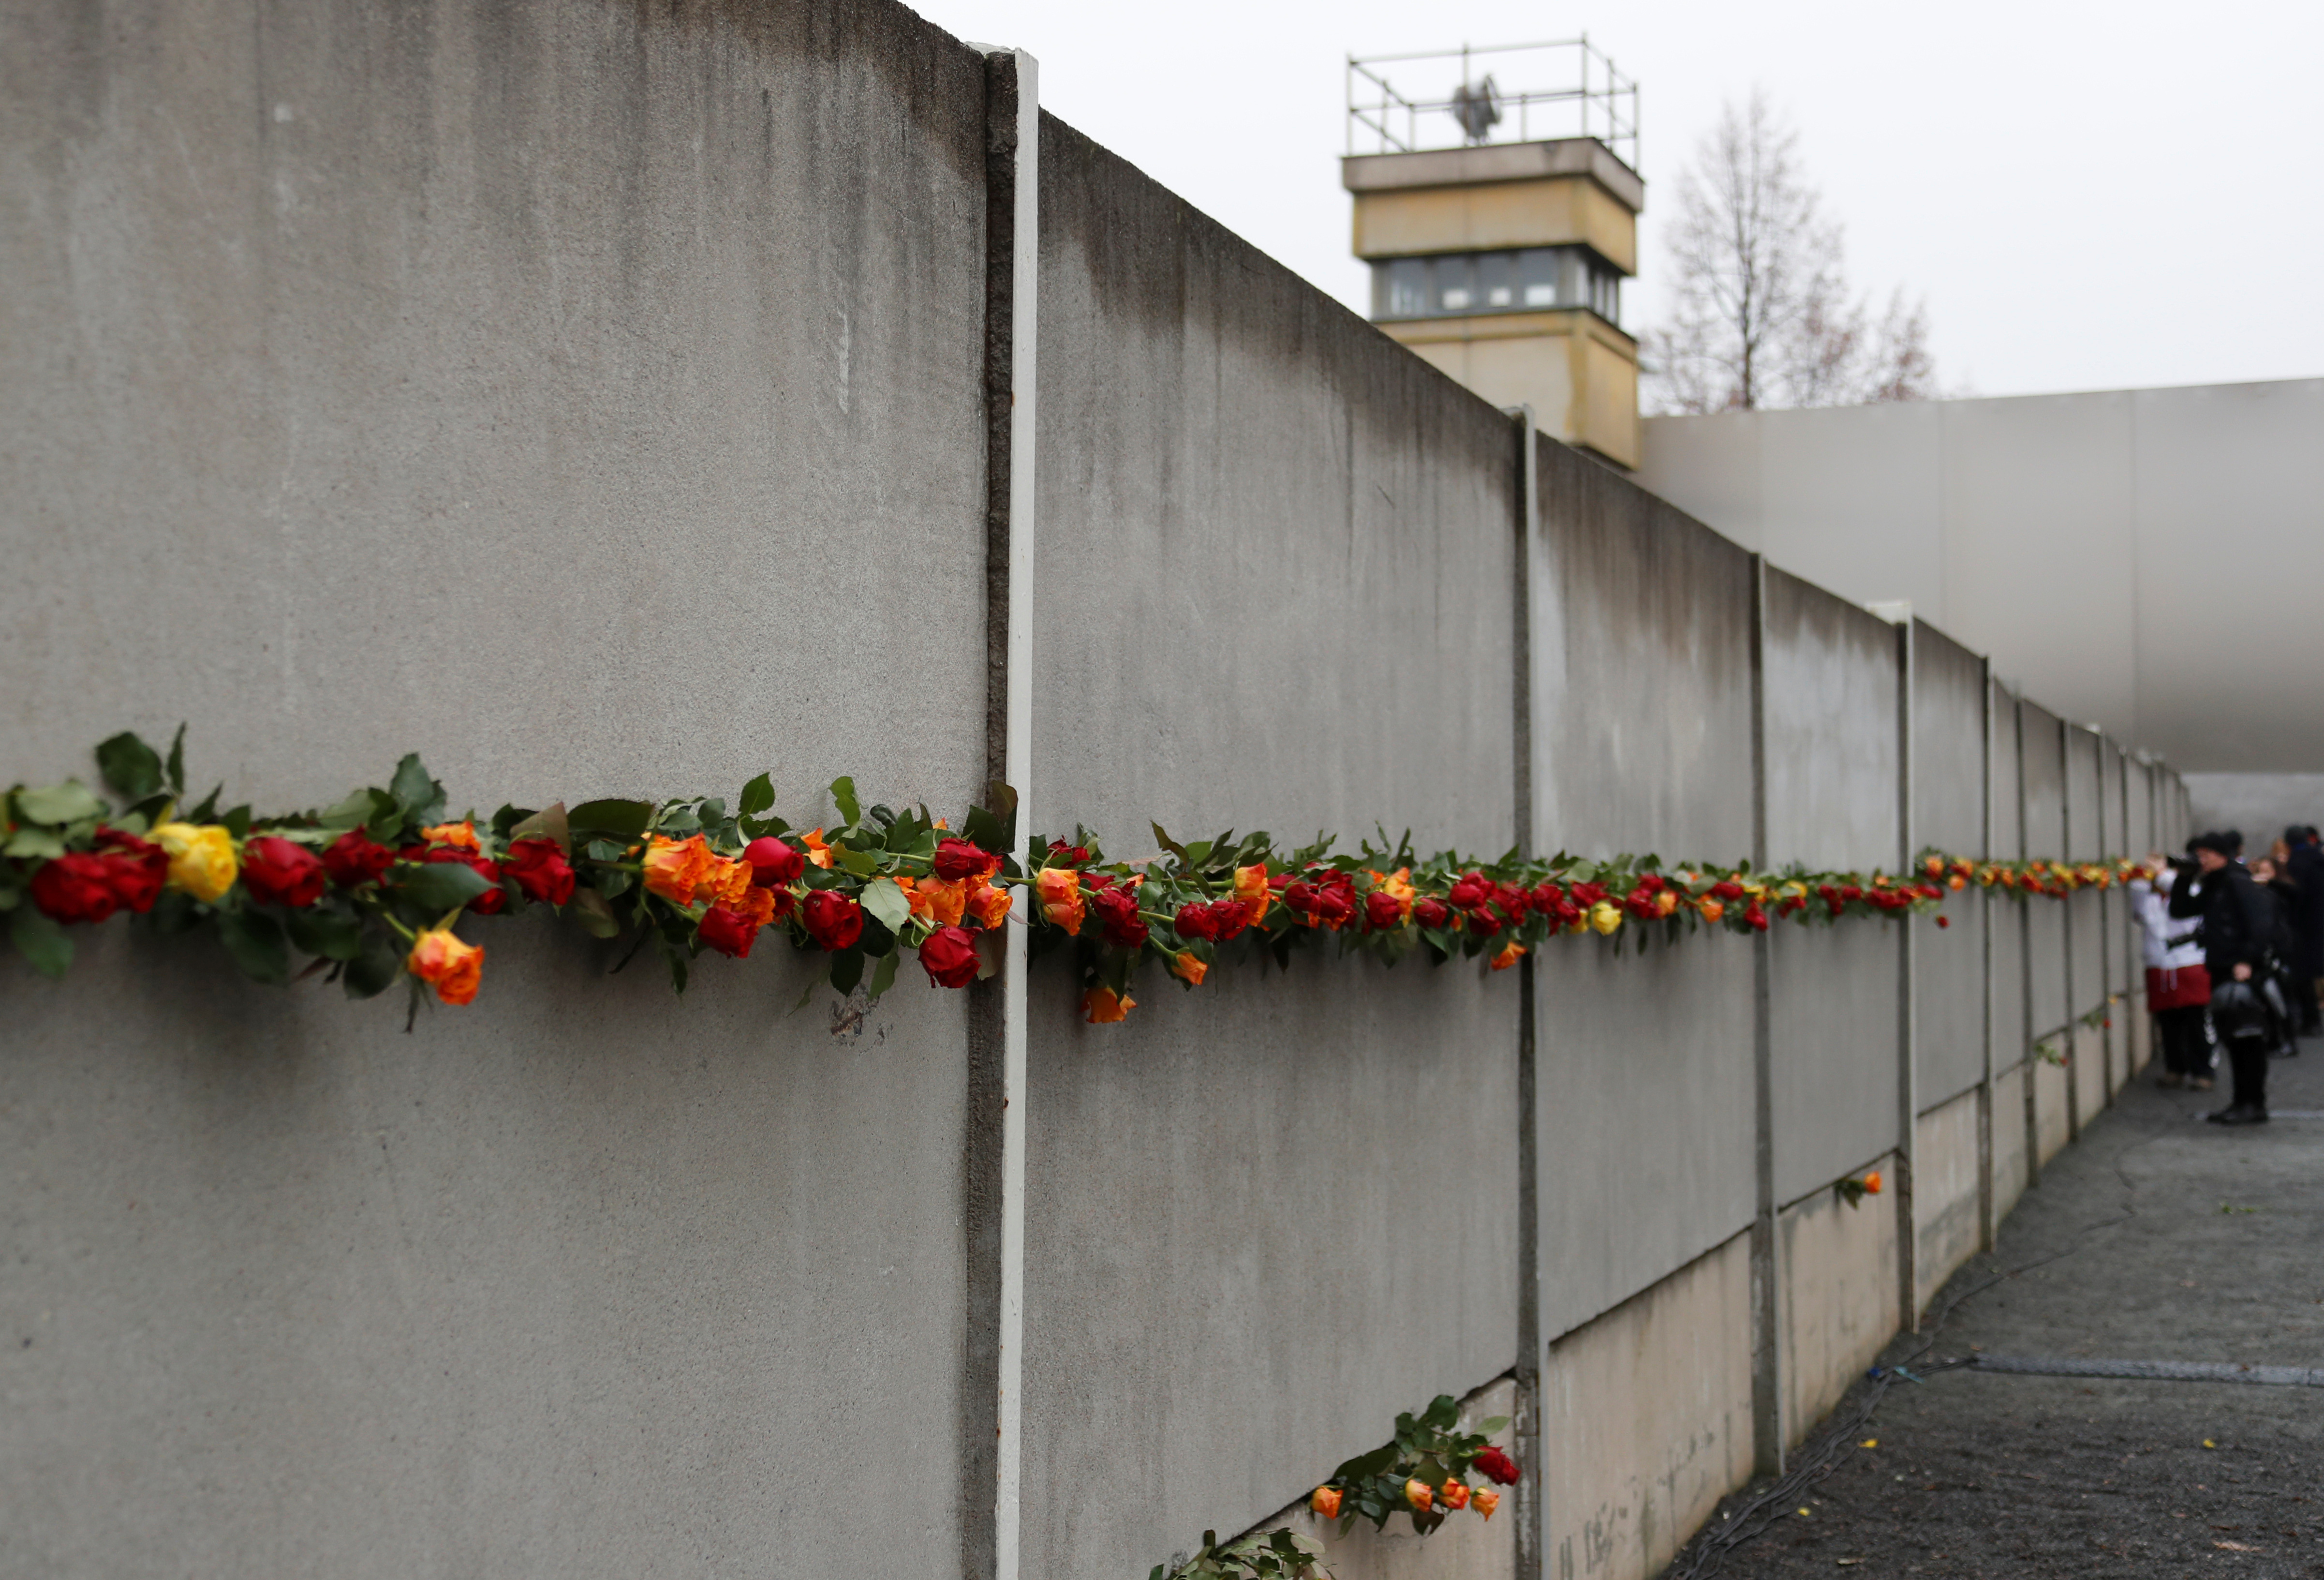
(2235, 953)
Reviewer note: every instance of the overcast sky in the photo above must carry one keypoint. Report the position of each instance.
(2091, 195)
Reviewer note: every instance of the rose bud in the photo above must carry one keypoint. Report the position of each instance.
(833, 920)
(948, 956)
(1103, 1006)
(538, 867)
(728, 932)
(1605, 916)
(1944, 921)
(1484, 1500)
(987, 905)
(202, 861)
(279, 872)
(1453, 1494)
(772, 863)
(1194, 921)
(1471, 892)
(137, 869)
(1496, 1463)
(1381, 911)
(1509, 957)
(1188, 967)
(454, 969)
(75, 887)
(1300, 897)
(1727, 889)
(1431, 913)
(355, 859)
(1711, 909)
(1227, 919)
(1546, 897)
(958, 858)
(1756, 918)
(1872, 1183)
(1335, 906)
(1253, 889)
(1326, 1501)
(1484, 923)
(1116, 910)
(462, 835)
(1850, 891)
(1416, 1492)
(1060, 890)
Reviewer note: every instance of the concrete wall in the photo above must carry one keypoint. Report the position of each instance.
(2065, 534)
(600, 403)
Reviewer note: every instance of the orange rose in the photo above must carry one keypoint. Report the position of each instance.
(722, 882)
(674, 868)
(1455, 1493)
(755, 903)
(1484, 1500)
(1872, 1183)
(1398, 886)
(1189, 968)
(987, 904)
(1250, 888)
(1956, 881)
(921, 904)
(946, 898)
(1104, 1006)
(817, 851)
(1508, 956)
(454, 969)
(1326, 1501)
(462, 834)
(1666, 901)
(1417, 1494)
(1061, 899)
(1712, 909)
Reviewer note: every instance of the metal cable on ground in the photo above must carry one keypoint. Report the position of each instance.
(1829, 1451)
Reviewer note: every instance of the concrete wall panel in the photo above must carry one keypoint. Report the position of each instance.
(1647, 1410)
(1240, 483)
(2009, 1161)
(1948, 815)
(2050, 1106)
(2004, 915)
(2044, 767)
(1841, 1297)
(1945, 1193)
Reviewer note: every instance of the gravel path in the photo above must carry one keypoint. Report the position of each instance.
(2156, 1238)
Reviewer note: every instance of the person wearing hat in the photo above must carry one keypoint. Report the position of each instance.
(2178, 988)
(2236, 920)
(2303, 863)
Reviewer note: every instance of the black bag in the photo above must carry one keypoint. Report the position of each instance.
(2237, 1012)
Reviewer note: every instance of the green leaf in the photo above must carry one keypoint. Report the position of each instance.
(254, 939)
(418, 795)
(596, 916)
(130, 766)
(335, 935)
(237, 822)
(847, 970)
(861, 862)
(175, 768)
(32, 842)
(41, 942)
(617, 820)
(70, 802)
(548, 823)
(435, 887)
(375, 966)
(757, 797)
(885, 900)
(1167, 843)
(842, 796)
(883, 975)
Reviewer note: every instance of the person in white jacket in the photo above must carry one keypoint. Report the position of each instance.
(2178, 988)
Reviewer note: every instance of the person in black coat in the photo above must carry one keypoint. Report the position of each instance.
(2237, 919)
(2305, 867)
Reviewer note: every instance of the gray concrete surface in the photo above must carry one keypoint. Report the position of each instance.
(1948, 814)
(2260, 804)
(2067, 535)
(2044, 767)
(1278, 553)
(2157, 1238)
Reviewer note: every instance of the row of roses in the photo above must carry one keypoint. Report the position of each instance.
(1424, 1472)
(372, 888)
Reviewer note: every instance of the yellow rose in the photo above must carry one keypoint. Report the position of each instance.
(454, 969)
(202, 861)
(1605, 915)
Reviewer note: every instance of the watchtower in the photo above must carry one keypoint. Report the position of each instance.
(1496, 253)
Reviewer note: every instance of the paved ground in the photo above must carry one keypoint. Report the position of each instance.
(2172, 1240)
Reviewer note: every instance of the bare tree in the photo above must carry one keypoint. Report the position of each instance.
(1761, 315)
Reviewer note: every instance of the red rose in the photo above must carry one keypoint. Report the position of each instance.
(355, 859)
(1640, 903)
(833, 920)
(1196, 921)
(1335, 904)
(1484, 923)
(493, 899)
(949, 957)
(1727, 889)
(1757, 918)
(540, 870)
(135, 868)
(1546, 897)
(1568, 913)
(75, 887)
(1498, 1465)
(728, 932)
(1117, 908)
(1471, 892)
(1586, 895)
(1851, 893)
(1430, 912)
(1381, 911)
(279, 872)
(1227, 919)
(772, 863)
(958, 858)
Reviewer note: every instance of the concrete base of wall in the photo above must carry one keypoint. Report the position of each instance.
(1649, 1409)
(2009, 1169)
(1840, 1296)
(2088, 1058)
(2141, 1023)
(1463, 1547)
(2052, 1132)
(1945, 1193)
